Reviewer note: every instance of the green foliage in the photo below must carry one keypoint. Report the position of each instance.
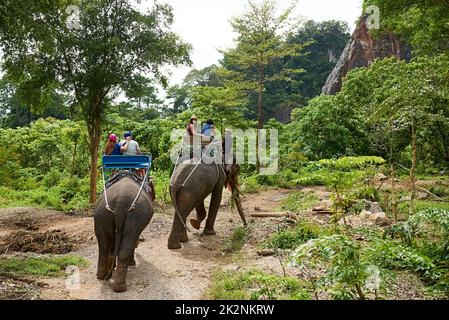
(236, 240)
(297, 201)
(393, 255)
(422, 23)
(367, 192)
(40, 266)
(422, 205)
(433, 227)
(401, 231)
(324, 130)
(161, 184)
(260, 43)
(256, 285)
(249, 184)
(349, 163)
(90, 64)
(335, 264)
(303, 231)
(374, 112)
(326, 41)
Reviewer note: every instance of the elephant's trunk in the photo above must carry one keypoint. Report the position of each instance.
(233, 186)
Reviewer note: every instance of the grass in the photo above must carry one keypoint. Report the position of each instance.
(297, 201)
(421, 205)
(42, 197)
(40, 266)
(256, 285)
(236, 240)
(302, 232)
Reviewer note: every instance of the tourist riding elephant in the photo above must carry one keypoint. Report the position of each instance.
(118, 227)
(189, 186)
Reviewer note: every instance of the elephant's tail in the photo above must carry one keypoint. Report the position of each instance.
(120, 213)
(173, 191)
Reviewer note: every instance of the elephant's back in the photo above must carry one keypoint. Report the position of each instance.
(125, 192)
(204, 174)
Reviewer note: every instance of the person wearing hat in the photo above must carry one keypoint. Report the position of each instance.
(112, 148)
(191, 125)
(129, 146)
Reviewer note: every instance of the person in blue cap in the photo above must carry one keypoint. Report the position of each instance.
(129, 146)
(208, 128)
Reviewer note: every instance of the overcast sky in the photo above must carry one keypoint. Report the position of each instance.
(205, 23)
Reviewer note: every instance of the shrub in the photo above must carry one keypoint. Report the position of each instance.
(52, 178)
(391, 254)
(335, 264)
(161, 184)
(250, 185)
(367, 192)
(290, 239)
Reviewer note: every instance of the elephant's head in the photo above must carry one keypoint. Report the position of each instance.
(152, 189)
(232, 172)
(232, 183)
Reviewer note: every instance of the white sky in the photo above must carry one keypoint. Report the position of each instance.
(205, 24)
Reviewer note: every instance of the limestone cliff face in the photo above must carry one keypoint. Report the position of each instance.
(360, 51)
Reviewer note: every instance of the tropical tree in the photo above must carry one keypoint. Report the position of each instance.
(93, 59)
(260, 41)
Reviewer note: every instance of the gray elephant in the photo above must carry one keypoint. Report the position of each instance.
(189, 188)
(119, 226)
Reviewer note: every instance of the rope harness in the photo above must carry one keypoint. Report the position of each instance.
(120, 175)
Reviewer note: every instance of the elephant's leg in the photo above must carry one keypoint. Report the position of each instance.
(184, 237)
(178, 232)
(125, 256)
(174, 239)
(132, 261)
(213, 209)
(105, 233)
(200, 215)
(120, 272)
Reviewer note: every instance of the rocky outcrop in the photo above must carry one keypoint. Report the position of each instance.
(360, 51)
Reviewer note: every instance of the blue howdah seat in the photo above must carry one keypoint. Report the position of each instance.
(127, 162)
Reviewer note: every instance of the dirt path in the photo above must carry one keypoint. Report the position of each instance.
(160, 273)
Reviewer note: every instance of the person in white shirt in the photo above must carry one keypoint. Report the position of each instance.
(129, 146)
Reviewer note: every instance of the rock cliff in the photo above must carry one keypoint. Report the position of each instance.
(360, 51)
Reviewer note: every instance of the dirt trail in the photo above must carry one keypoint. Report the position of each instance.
(160, 273)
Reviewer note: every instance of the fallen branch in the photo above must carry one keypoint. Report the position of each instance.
(430, 193)
(322, 212)
(273, 215)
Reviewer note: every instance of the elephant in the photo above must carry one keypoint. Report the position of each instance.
(118, 228)
(189, 188)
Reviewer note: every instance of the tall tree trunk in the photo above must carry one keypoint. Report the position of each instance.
(259, 113)
(94, 130)
(412, 170)
(394, 205)
(74, 156)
